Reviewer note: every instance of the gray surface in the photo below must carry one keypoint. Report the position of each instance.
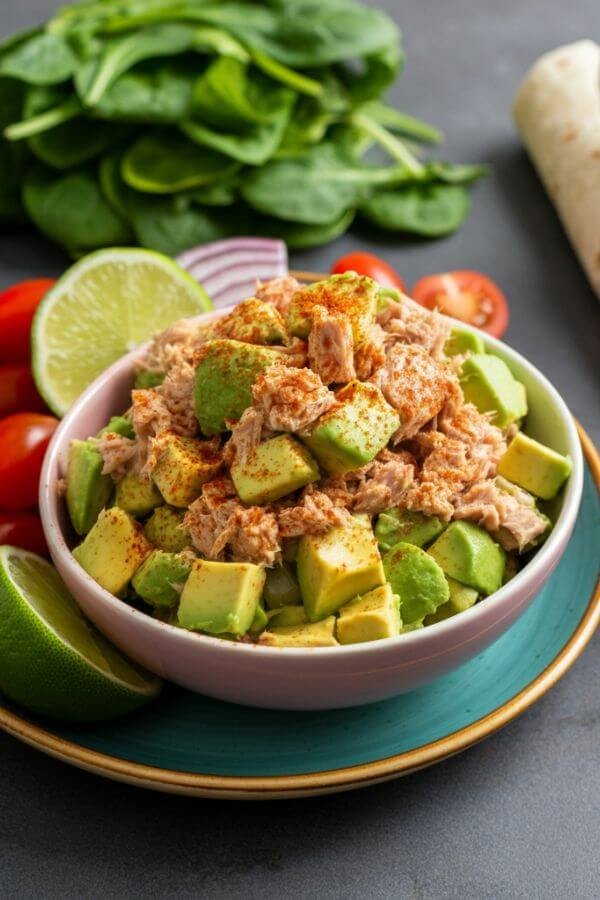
(517, 816)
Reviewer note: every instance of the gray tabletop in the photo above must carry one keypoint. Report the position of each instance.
(516, 816)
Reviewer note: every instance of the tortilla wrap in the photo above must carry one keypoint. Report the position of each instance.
(557, 111)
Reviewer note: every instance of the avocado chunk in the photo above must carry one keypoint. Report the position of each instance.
(467, 553)
(259, 622)
(336, 566)
(318, 634)
(158, 578)
(221, 597)
(118, 425)
(535, 467)
(372, 617)
(145, 380)
(461, 598)
(137, 496)
(163, 529)
(281, 588)
(395, 525)
(487, 382)
(462, 341)
(287, 615)
(254, 322)
(113, 550)
(224, 375)
(417, 579)
(350, 295)
(354, 430)
(289, 549)
(273, 469)
(88, 490)
(183, 465)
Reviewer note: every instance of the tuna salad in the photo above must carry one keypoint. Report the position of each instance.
(325, 464)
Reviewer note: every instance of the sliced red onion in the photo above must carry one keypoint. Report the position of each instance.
(228, 270)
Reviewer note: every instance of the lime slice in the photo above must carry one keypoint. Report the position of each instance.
(105, 305)
(52, 661)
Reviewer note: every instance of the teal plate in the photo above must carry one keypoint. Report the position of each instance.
(190, 744)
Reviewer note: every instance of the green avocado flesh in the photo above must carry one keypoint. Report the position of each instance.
(534, 467)
(113, 550)
(281, 588)
(462, 341)
(136, 495)
(317, 634)
(287, 615)
(350, 295)
(163, 529)
(372, 617)
(183, 466)
(395, 525)
(353, 431)
(159, 577)
(487, 382)
(417, 579)
(221, 597)
(144, 380)
(224, 375)
(274, 468)
(467, 553)
(88, 490)
(118, 425)
(461, 598)
(254, 322)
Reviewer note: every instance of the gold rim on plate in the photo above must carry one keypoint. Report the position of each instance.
(333, 780)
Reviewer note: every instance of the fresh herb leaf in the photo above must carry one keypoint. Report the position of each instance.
(431, 209)
(165, 162)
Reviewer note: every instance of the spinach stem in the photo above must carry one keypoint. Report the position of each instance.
(44, 121)
(393, 145)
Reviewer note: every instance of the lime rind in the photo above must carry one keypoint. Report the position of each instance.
(104, 306)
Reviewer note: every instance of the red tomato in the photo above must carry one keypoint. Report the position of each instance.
(23, 529)
(23, 441)
(371, 265)
(466, 295)
(18, 391)
(17, 306)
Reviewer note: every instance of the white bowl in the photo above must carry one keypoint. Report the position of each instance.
(315, 678)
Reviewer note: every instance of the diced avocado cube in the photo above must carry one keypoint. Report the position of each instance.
(138, 496)
(160, 579)
(395, 525)
(287, 615)
(462, 341)
(487, 382)
(385, 296)
(535, 467)
(417, 579)
(411, 626)
(350, 295)
(372, 617)
(221, 597)
(336, 566)
(319, 634)
(183, 466)
(88, 490)
(224, 375)
(254, 322)
(281, 588)
(354, 430)
(467, 553)
(461, 598)
(145, 380)
(273, 469)
(113, 550)
(118, 425)
(163, 529)
(260, 621)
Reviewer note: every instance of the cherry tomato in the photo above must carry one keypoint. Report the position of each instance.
(371, 265)
(23, 529)
(18, 391)
(466, 295)
(23, 441)
(17, 307)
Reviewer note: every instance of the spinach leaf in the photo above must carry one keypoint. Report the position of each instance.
(228, 97)
(380, 71)
(173, 224)
(431, 209)
(255, 144)
(455, 174)
(115, 191)
(70, 209)
(165, 162)
(41, 59)
(120, 54)
(152, 92)
(296, 80)
(221, 193)
(303, 237)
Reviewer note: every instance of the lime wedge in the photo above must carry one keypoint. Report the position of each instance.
(105, 305)
(52, 661)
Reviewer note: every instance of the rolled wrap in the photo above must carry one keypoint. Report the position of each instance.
(557, 111)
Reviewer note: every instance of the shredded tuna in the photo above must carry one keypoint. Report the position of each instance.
(487, 444)
(511, 517)
(445, 470)
(414, 384)
(412, 324)
(370, 355)
(386, 482)
(177, 391)
(290, 399)
(330, 347)
(177, 343)
(149, 417)
(295, 353)
(245, 436)
(278, 291)
(314, 514)
(256, 536)
(117, 453)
